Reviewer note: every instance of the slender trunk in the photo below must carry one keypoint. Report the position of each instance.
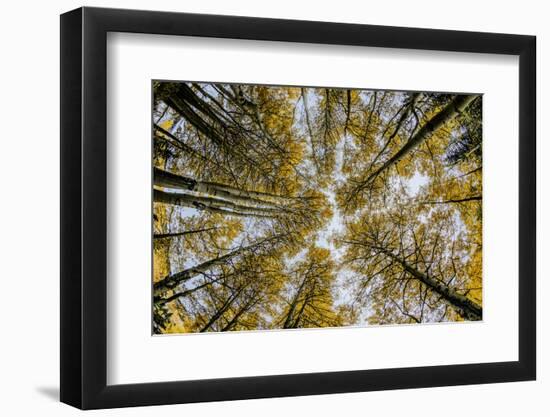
(172, 140)
(221, 138)
(190, 116)
(306, 112)
(167, 179)
(177, 143)
(218, 132)
(405, 111)
(408, 110)
(251, 110)
(187, 232)
(161, 301)
(347, 109)
(465, 307)
(186, 94)
(367, 128)
(226, 137)
(266, 136)
(209, 201)
(221, 311)
(220, 106)
(328, 126)
(454, 200)
(473, 171)
(212, 204)
(233, 322)
(305, 303)
(289, 316)
(466, 155)
(288, 319)
(184, 109)
(451, 110)
(310, 130)
(173, 280)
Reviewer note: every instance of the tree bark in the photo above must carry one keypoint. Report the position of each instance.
(213, 204)
(405, 110)
(168, 179)
(234, 321)
(464, 306)
(161, 301)
(177, 143)
(290, 315)
(221, 311)
(187, 232)
(190, 116)
(173, 280)
(455, 200)
(310, 130)
(451, 110)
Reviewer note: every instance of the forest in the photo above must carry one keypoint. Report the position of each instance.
(283, 207)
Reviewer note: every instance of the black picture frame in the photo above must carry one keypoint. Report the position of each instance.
(84, 207)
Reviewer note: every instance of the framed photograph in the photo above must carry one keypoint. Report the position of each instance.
(258, 208)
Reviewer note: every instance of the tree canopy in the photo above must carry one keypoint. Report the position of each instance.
(294, 207)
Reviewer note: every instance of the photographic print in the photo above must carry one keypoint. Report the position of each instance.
(289, 207)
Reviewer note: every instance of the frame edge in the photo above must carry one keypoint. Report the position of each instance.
(70, 208)
(527, 207)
